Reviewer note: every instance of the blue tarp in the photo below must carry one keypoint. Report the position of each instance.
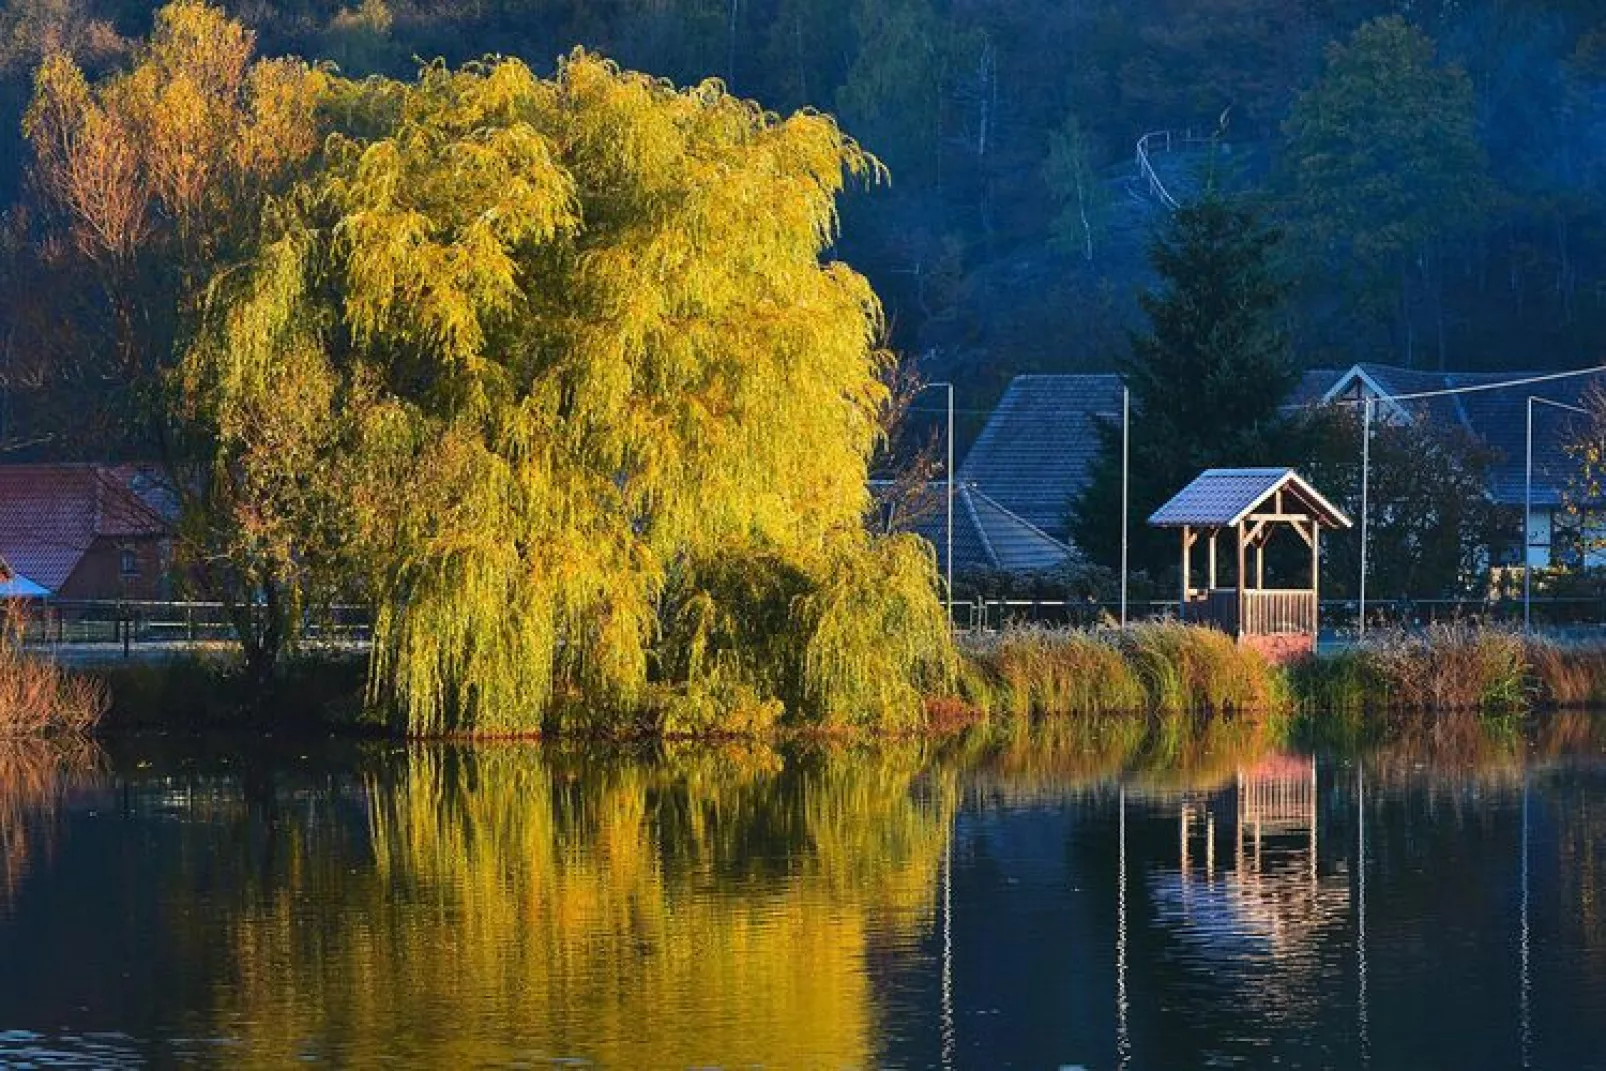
(20, 587)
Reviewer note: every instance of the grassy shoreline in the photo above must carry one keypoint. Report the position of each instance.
(1159, 670)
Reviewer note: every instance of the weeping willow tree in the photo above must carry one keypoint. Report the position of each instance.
(562, 361)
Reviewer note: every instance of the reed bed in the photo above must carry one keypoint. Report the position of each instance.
(1452, 667)
(1162, 668)
(38, 697)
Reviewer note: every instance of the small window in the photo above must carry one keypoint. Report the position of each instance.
(128, 562)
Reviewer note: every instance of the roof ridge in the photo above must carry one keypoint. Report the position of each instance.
(1012, 515)
(981, 533)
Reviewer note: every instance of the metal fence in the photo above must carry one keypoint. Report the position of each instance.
(1569, 616)
(131, 623)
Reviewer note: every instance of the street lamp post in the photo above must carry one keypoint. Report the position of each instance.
(1366, 476)
(1528, 504)
(1126, 441)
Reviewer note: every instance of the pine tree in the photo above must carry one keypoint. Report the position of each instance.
(1206, 381)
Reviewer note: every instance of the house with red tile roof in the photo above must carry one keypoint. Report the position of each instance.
(81, 532)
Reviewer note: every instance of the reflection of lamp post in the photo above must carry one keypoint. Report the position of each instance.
(1523, 945)
(1123, 1039)
(1528, 505)
(1360, 927)
(948, 951)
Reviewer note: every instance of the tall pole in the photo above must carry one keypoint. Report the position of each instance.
(1126, 441)
(948, 534)
(1528, 505)
(1366, 477)
(1527, 516)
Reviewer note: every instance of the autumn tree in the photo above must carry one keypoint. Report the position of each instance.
(598, 414)
(1207, 379)
(151, 177)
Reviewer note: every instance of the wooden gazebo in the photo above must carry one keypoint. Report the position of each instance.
(1253, 504)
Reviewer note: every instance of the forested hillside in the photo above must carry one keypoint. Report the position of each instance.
(1437, 167)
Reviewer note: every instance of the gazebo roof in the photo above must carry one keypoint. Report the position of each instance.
(1220, 498)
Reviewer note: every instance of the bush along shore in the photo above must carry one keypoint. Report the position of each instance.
(38, 697)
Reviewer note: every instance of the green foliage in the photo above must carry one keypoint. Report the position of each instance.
(891, 96)
(1206, 380)
(572, 345)
(1385, 164)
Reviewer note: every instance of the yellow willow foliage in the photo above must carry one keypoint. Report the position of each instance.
(711, 910)
(577, 364)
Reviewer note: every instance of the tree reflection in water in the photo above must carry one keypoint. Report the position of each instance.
(36, 776)
(709, 907)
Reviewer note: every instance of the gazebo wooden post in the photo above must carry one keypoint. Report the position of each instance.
(1238, 613)
(1182, 606)
(1213, 533)
(1316, 574)
(1260, 560)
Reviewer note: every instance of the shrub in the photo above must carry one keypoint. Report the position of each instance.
(39, 697)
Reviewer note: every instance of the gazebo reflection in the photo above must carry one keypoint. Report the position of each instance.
(1273, 899)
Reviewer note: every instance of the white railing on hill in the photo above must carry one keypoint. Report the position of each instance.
(1163, 141)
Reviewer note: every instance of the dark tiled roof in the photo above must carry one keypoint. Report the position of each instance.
(1498, 418)
(1220, 497)
(51, 514)
(986, 535)
(1035, 453)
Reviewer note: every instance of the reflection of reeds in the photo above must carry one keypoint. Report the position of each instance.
(1161, 667)
(34, 777)
(1166, 752)
(37, 696)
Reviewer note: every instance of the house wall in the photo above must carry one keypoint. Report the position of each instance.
(99, 574)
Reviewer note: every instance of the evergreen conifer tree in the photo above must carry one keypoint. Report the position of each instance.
(1207, 379)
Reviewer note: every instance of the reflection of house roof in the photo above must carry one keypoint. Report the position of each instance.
(1220, 498)
(51, 514)
(1037, 449)
(986, 535)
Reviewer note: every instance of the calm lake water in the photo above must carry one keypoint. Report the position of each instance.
(1046, 899)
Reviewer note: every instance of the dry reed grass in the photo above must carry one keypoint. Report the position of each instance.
(1453, 667)
(1161, 668)
(37, 696)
